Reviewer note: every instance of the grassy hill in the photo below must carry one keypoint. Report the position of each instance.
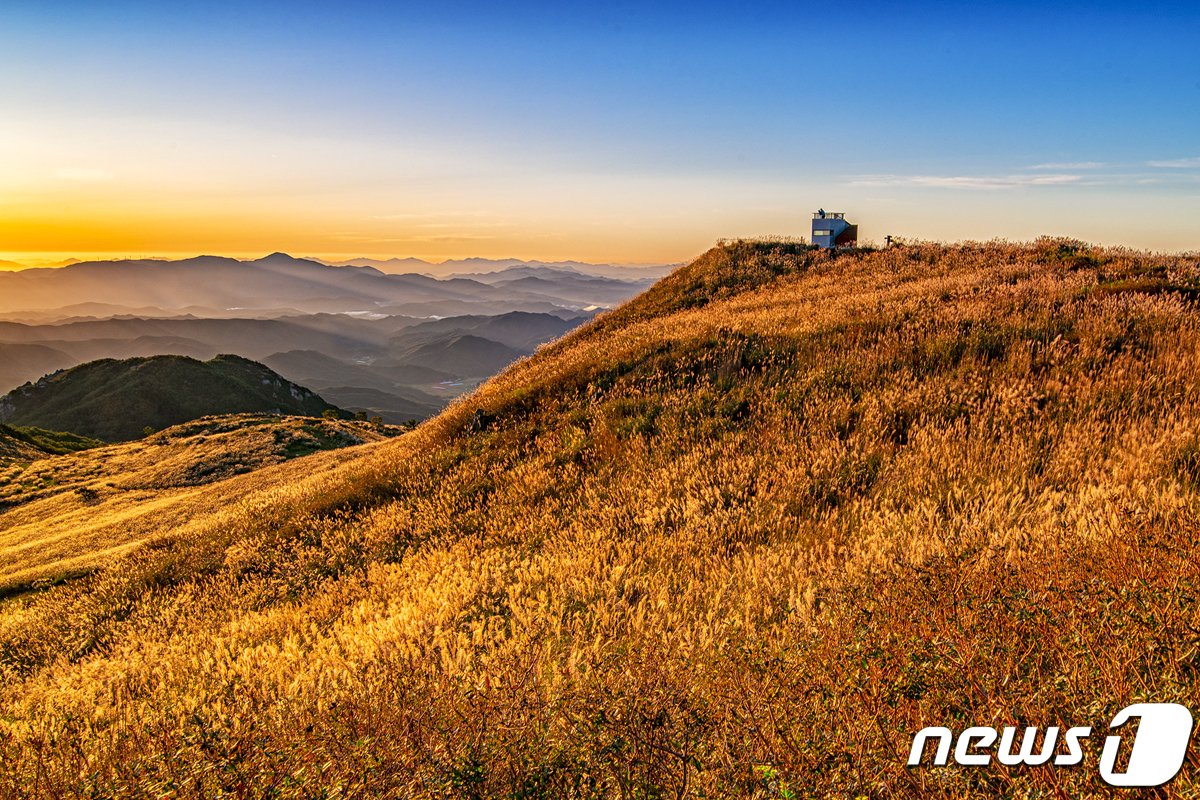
(62, 517)
(742, 537)
(115, 400)
(28, 444)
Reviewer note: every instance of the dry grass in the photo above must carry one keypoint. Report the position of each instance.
(742, 537)
(62, 517)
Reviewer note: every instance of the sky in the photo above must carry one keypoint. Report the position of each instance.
(612, 132)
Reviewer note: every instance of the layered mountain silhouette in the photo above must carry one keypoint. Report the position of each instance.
(388, 341)
(396, 367)
(465, 354)
(279, 284)
(518, 330)
(117, 400)
(484, 268)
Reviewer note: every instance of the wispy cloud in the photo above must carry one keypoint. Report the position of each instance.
(966, 181)
(1069, 165)
(1177, 163)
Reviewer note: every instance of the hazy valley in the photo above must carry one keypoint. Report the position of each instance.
(399, 346)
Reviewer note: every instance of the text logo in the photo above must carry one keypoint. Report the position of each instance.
(1155, 756)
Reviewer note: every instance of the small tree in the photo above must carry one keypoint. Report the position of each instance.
(330, 413)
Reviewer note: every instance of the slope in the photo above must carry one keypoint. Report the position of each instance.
(30, 444)
(742, 537)
(14, 447)
(68, 515)
(116, 400)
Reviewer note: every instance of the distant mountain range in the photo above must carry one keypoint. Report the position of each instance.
(115, 400)
(480, 268)
(373, 336)
(399, 368)
(280, 285)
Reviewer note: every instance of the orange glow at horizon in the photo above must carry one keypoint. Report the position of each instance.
(169, 188)
(117, 225)
(448, 131)
(37, 240)
(341, 200)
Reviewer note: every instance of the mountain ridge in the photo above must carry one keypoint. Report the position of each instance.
(116, 400)
(279, 282)
(492, 266)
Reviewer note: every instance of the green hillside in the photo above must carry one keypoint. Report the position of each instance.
(116, 400)
(28, 444)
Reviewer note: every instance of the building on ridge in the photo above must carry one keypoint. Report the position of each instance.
(830, 230)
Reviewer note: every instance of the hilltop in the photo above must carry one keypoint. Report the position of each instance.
(116, 400)
(742, 536)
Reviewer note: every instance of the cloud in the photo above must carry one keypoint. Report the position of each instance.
(1176, 172)
(83, 174)
(966, 181)
(1177, 163)
(1070, 165)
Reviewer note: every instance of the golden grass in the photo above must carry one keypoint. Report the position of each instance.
(742, 537)
(62, 517)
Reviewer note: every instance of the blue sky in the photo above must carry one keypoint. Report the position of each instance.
(625, 132)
